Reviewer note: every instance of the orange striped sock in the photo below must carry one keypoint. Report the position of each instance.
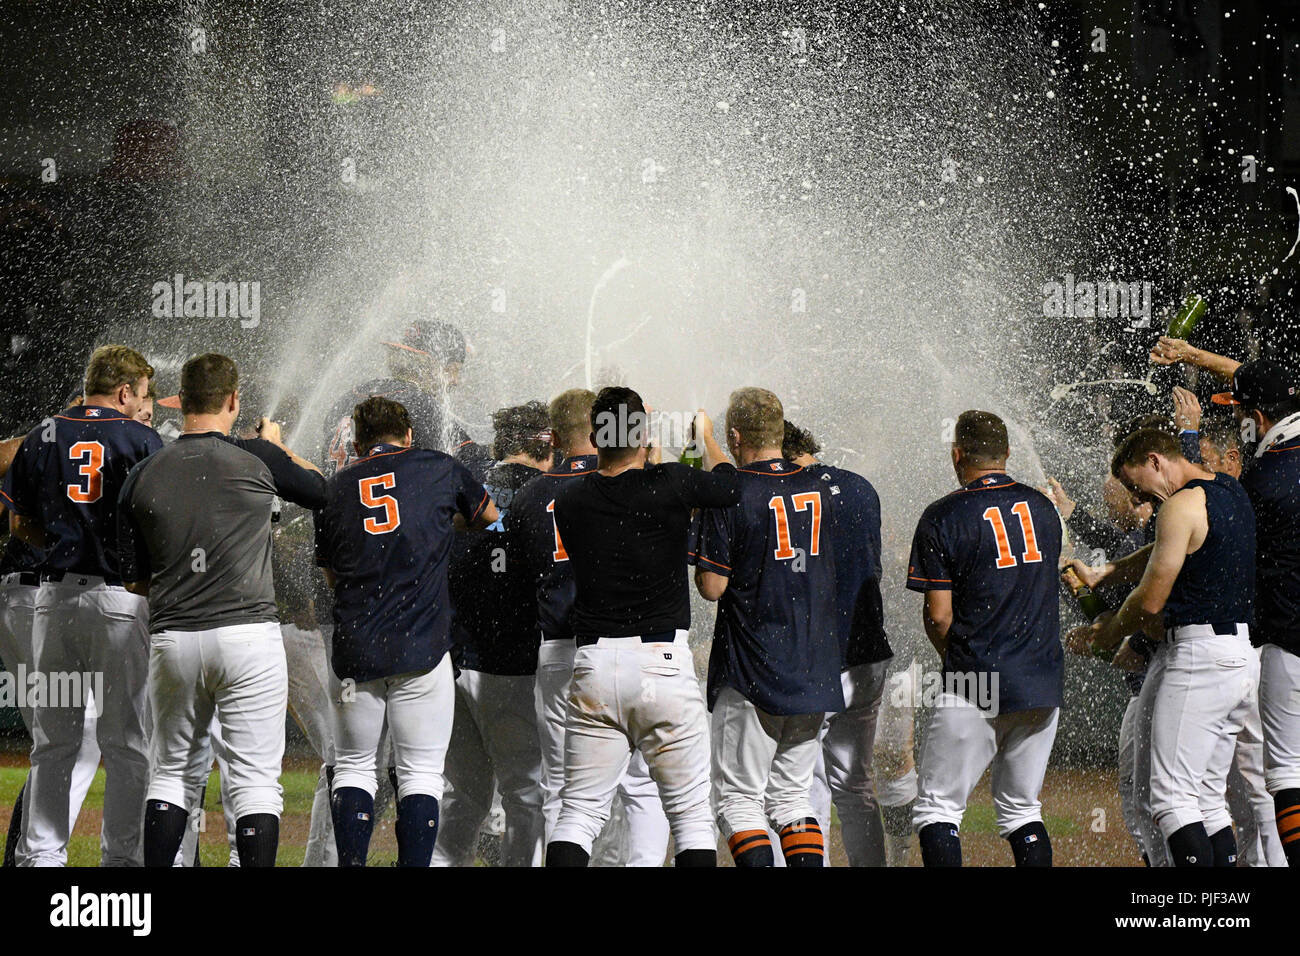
(802, 843)
(751, 848)
(1287, 805)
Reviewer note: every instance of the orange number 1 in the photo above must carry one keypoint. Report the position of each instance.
(559, 554)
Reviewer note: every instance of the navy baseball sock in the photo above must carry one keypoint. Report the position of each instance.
(751, 848)
(1190, 846)
(802, 844)
(164, 828)
(353, 811)
(257, 838)
(1224, 844)
(417, 829)
(15, 829)
(562, 853)
(1286, 804)
(940, 845)
(1030, 845)
(696, 858)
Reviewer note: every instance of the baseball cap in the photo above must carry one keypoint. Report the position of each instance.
(171, 401)
(433, 337)
(1258, 384)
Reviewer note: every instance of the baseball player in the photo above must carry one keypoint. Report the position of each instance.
(533, 525)
(424, 365)
(494, 647)
(19, 581)
(985, 557)
(624, 529)
(195, 532)
(1200, 573)
(1264, 395)
(62, 493)
(848, 737)
(774, 668)
(384, 539)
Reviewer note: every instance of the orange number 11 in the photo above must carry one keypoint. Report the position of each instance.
(1005, 558)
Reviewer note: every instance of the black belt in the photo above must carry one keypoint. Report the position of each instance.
(56, 576)
(28, 579)
(1222, 628)
(663, 637)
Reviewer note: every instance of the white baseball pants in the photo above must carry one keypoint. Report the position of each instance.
(643, 812)
(493, 737)
(83, 625)
(1249, 801)
(237, 673)
(843, 772)
(960, 743)
(1279, 710)
(1153, 841)
(763, 765)
(17, 608)
(418, 708)
(1128, 796)
(307, 656)
(1202, 703)
(624, 695)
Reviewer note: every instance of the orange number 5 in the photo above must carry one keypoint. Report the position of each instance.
(392, 517)
(91, 455)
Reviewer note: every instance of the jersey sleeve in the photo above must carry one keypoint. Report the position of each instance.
(132, 550)
(20, 491)
(322, 521)
(705, 489)
(471, 496)
(713, 547)
(928, 568)
(302, 486)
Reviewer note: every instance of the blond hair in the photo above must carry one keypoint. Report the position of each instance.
(570, 415)
(111, 367)
(757, 414)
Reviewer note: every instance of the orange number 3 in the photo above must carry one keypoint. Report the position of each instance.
(1005, 558)
(91, 456)
(392, 517)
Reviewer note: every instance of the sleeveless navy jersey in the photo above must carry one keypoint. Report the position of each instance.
(546, 561)
(70, 485)
(1273, 484)
(494, 597)
(996, 544)
(777, 636)
(1217, 582)
(857, 565)
(429, 427)
(386, 532)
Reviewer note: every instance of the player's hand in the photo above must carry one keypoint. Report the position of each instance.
(1172, 351)
(1127, 659)
(1064, 503)
(1187, 409)
(1078, 640)
(1087, 573)
(703, 424)
(269, 430)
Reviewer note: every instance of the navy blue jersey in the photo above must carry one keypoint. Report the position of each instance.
(67, 476)
(1273, 484)
(492, 591)
(386, 532)
(857, 565)
(777, 636)
(996, 544)
(1216, 584)
(546, 561)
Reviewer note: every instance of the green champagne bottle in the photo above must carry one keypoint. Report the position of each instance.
(1193, 308)
(1090, 604)
(692, 455)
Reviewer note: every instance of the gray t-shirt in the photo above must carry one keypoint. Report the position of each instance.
(194, 519)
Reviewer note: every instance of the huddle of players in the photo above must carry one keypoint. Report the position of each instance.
(1208, 605)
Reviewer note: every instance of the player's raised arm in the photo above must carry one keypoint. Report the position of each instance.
(1172, 351)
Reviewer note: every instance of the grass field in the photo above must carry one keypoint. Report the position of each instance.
(1082, 816)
